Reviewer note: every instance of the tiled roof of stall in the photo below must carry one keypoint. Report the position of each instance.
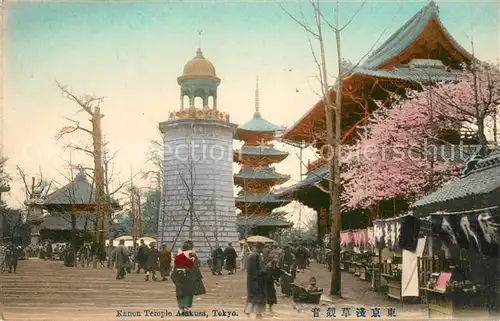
(483, 179)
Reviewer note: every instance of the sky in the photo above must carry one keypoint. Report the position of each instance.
(131, 53)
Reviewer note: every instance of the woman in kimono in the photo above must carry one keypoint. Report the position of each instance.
(187, 277)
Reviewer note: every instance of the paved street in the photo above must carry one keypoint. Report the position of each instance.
(46, 290)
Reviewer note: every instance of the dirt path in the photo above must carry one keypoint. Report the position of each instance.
(46, 290)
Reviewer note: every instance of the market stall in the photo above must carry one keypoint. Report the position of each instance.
(466, 247)
(399, 269)
(357, 252)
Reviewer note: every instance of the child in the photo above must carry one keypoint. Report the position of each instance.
(273, 274)
(312, 287)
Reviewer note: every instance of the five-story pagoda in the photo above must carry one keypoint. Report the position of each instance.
(256, 177)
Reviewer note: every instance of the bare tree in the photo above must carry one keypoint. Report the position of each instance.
(91, 105)
(195, 204)
(333, 116)
(40, 185)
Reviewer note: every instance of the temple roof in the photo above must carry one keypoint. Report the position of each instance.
(262, 221)
(410, 73)
(398, 43)
(407, 34)
(260, 150)
(483, 179)
(261, 173)
(78, 192)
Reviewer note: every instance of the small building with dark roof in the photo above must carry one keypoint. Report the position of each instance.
(74, 201)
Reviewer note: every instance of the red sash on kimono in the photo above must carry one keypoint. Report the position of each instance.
(183, 260)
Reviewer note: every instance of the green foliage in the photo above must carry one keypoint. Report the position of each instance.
(150, 202)
(149, 212)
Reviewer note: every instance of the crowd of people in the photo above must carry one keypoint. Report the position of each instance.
(267, 266)
(9, 256)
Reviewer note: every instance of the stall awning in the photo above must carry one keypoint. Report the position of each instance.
(397, 233)
(477, 230)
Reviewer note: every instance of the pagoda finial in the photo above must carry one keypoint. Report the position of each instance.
(257, 98)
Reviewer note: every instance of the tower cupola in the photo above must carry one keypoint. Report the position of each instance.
(199, 80)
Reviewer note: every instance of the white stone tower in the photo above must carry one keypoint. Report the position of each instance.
(198, 183)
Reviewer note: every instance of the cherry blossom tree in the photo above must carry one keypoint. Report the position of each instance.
(402, 152)
(397, 156)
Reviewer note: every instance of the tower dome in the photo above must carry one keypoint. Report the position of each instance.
(199, 68)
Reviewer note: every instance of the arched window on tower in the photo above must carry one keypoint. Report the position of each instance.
(211, 102)
(183, 101)
(198, 102)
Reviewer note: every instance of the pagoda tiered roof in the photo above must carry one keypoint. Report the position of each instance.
(264, 150)
(259, 203)
(256, 176)
(263, 154)
(259, 125)
(264, 173)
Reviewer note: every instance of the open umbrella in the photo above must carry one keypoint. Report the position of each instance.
(257, 239)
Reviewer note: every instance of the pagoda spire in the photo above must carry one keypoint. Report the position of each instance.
(257, 98)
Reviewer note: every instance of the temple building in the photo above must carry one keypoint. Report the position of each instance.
(71, 210)
(421, 51)
(198, 187)
(256, 177)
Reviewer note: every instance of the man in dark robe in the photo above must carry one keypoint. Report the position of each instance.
(142, 257)
(165, 258)
(11, 257)
(69, 256)
(256, 283)
(217, 260)
(120, 258)
(2, 257)
(151, 261)
(187, 277)
(230, 255)
(301, 257)
(287, 264)
(48, 251)
(84, 255)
